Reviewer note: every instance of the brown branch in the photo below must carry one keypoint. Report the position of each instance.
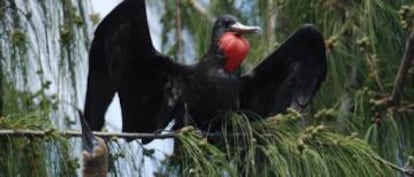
(71, 133)
(178, 30)
(75, 133)
(203, 11)
(406, 171)
(394, 99)
(271, 24)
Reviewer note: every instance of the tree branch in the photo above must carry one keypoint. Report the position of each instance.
(178, 32)
(271, 24)
(203, 11)
(37, 133)
(75, 133)
(408, 172)
(72, 133)
(405, 65)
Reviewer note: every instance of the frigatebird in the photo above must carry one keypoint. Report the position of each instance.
(153, 88)
(95, 152)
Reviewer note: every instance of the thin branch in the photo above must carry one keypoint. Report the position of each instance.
(394, 99)
(406, 171)
(271, 24)
(75, 133)
(203, 11)
(178, 32)
(72, 133)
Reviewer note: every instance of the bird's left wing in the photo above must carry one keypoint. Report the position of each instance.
(289, 77)
(122, 60)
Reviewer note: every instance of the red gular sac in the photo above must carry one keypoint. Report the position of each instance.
(235, 47)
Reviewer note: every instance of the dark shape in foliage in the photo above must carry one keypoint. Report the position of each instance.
(95, 152)
(153, 89)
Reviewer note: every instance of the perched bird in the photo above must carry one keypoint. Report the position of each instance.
(153, 88)
(94, 151)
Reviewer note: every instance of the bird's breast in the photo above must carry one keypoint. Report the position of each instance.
(207, 95)
(212, 102)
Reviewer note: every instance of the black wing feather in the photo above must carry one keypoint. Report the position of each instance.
(289, 77)
(122, 59)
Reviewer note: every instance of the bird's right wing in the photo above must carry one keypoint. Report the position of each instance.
(289, 77)
(122, 59)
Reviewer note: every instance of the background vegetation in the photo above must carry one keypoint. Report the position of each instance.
(352, 132)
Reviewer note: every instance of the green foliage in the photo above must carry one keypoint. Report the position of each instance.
(35, 85)
(47, 156)
(33, 156)
(365, 42)
(277, 146)
(194, 156)
(350, 132)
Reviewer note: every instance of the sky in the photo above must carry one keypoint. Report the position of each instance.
(104, 6)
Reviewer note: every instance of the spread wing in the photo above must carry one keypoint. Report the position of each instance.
(122, 59)
(289, 77)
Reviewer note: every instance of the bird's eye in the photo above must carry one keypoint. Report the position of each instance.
(227, 22)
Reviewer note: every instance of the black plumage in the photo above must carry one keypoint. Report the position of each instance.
(153, 89)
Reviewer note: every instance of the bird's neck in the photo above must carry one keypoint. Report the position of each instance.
(213, 60)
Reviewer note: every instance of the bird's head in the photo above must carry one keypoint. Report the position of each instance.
(228, 34)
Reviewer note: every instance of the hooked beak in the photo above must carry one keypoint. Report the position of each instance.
(243, 29)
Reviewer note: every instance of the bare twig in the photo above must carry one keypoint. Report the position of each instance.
(38, 133)
(271, 24)
(178, 31)
(394, 99)
(75, 133)
(406, 171)
(203, 11)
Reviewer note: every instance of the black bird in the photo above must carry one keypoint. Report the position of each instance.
(95, 152)
(153, 89)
